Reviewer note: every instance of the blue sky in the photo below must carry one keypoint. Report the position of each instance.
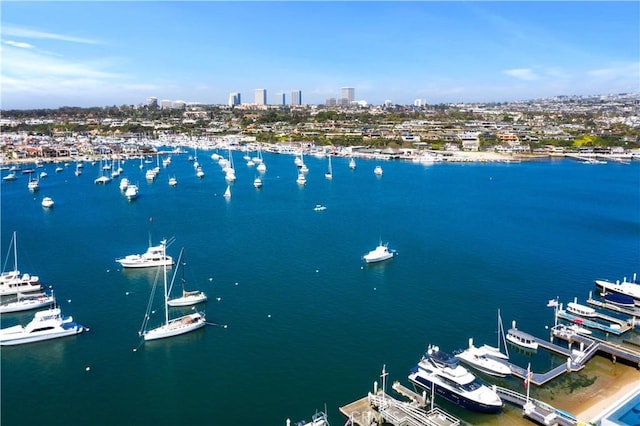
(113, 53)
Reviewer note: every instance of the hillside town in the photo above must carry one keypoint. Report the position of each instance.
(586, 128)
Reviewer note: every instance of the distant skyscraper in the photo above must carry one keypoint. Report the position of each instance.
(165, 104)
(152, 102)
(419, 102)
(234, 99)
(296, 97)
(282, 98)
(261, 97)
(330, 102)
(349, 93)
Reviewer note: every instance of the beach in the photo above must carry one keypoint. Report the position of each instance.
(588, 393)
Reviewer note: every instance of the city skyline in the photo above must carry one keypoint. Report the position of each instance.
(62, 54)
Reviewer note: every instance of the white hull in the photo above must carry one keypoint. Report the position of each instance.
(15, 288)
(26, 304)
(176, 327)
(475, 359)
(137, 262)
(379, 254)
(188, 300)
(11, 339)
(45, 325)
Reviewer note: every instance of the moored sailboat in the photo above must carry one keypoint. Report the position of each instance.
(170, 327)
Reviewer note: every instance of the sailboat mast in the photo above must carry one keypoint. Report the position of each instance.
(166, 296)
(15, 252)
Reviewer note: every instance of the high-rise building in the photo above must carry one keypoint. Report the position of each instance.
(234, 99)
(261, 96)
(330, 102)
(296, 97)
(282, 98)
(165, 104)
(152, 102)
(348, 93)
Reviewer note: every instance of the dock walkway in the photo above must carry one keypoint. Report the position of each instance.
(538, 411)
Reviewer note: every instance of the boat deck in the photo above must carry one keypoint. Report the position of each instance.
(624, 326)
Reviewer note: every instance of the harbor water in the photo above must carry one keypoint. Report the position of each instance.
(299, 321)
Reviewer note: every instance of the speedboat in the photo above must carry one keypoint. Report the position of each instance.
(45, 325)
(257, 182)
(26, 302)
(379, 254)
(441, 371)
(319, 207)
(173, 181)
(318, 419)
(154, 256)
(47, 202)
(482, 359)
(124, 183)
(378, 171)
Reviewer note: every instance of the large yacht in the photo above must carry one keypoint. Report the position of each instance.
(154, 256)
(45, 325)
(628, 288)
(454, 382)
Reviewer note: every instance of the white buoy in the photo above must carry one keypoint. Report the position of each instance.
(127, 293)
(218, 298)
(87, 369)
(210, 279)
(269, 316)
(68, 300)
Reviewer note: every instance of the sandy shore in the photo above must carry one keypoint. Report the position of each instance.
(589, 393)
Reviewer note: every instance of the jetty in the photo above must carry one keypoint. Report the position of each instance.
(378, 407)
(538, 411)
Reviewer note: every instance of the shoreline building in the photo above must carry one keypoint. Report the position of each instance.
(234, 99)
(348, 95)
(296, 97)
(261, 96)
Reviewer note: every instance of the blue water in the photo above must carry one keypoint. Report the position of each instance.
(308, 323)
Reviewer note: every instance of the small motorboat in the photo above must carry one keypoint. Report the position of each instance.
(47, 202)
(379, 254)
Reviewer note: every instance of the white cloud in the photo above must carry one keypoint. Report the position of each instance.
(28, 33)
(526, 74)
(19, 44)
(617, 71)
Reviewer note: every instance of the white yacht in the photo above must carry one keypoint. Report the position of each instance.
(47, 202)
(154, 256)
(13, 282)
(301, 180)
(26, 302)
(581, 310)
(131, 192)
(439, 371)
(257, 182)
(124, 182)
(33, 185)
(379, 254)
(522, 339)
(45, 325)
(627, 288)
(378, 171)
(482, 359)
(173, 181)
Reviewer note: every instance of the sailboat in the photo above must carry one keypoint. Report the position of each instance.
(227, 193)
(26, 302)
(12, 282)
(188, 298)
(352, 163)
(329, 174)
(170, 327)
